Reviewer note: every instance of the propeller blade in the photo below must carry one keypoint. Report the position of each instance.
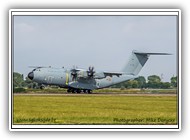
(74, 74)
(91, 71)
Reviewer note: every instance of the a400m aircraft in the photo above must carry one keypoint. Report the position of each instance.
(85, 80)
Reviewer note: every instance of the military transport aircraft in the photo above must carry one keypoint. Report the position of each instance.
(85, 80)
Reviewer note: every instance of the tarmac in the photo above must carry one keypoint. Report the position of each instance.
(97, 94)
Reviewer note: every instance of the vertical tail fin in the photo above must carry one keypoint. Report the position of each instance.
(137, 61)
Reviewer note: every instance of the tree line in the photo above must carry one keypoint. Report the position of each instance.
(153, 81)
(20, 82)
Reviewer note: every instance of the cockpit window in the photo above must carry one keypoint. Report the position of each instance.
(36, 70)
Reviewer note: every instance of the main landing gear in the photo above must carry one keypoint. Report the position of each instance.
(72, 90)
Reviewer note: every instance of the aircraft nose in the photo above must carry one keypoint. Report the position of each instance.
(31, 75)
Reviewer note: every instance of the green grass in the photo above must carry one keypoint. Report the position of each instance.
(94, 109)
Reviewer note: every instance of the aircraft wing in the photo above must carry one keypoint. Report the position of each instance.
(100, 74)
(113, 74)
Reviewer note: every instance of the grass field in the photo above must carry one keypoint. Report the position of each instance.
(94, 109)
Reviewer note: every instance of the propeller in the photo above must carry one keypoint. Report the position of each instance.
(74, 73)
(91, 72)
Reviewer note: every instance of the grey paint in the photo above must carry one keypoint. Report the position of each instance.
(62, 77)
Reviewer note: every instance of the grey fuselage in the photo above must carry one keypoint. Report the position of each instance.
(62, 77)
(88, 79)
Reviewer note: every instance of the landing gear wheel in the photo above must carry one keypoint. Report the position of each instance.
(78, 91)
(73, 91)
(68, 90)
(89, 91)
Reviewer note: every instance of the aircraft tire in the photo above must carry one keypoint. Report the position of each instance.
(68, 90)
(89, 91)
(78, 91)
(73, 91)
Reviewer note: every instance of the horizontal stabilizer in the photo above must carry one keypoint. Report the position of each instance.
(136, 52)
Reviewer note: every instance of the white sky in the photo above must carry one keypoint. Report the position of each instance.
(105, 42)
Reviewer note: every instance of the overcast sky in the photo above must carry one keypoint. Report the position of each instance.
(105, 42)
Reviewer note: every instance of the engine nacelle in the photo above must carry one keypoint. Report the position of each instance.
(82, 74)
(99, 75)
